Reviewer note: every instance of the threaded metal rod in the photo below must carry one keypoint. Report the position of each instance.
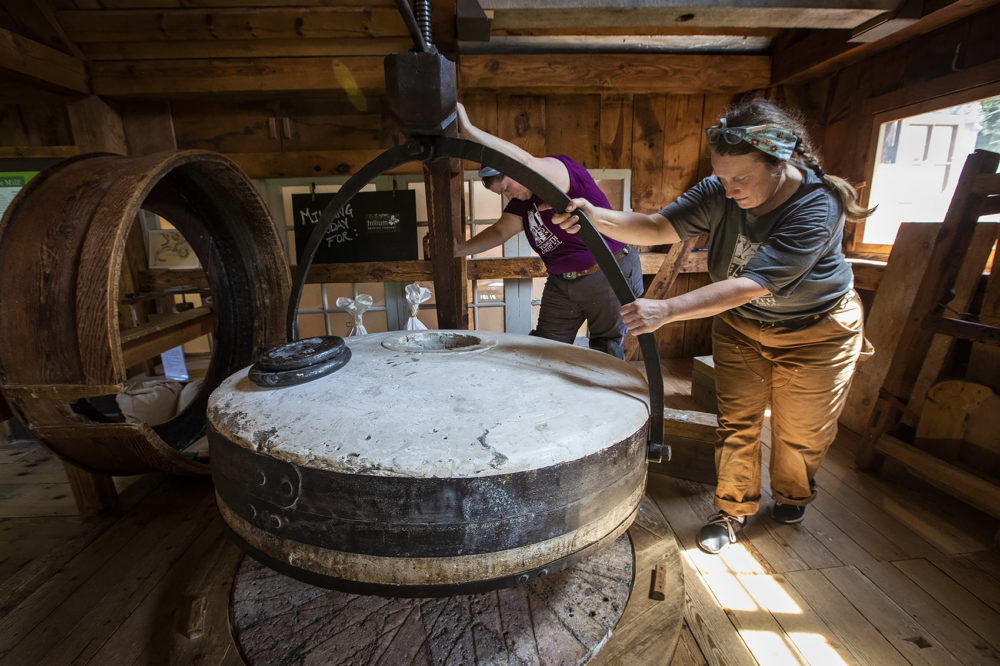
(422, 9)
(411, 25)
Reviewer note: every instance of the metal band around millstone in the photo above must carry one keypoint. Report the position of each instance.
(403, 516)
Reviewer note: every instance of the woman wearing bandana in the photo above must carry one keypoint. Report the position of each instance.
(787, 331)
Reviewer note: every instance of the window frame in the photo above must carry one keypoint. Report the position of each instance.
(856, 247)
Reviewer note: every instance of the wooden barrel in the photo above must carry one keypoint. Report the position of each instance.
(433, 462)
(62, 242)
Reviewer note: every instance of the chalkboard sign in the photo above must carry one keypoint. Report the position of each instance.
(373, 226)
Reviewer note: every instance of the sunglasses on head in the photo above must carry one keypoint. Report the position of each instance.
(730, 135)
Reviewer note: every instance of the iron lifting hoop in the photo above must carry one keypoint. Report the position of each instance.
(433, 147)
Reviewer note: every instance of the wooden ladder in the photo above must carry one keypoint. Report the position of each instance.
(977, 194)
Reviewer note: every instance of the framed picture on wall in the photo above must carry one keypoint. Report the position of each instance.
(168, 249)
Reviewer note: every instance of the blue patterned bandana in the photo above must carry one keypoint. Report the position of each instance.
(766, 138)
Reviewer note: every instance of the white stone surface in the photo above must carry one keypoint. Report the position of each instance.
(522, 403)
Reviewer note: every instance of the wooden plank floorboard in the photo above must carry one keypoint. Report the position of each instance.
(987, 562)
(940, 623)
(852, 628)
(102, 619)
(907, 635)
(964, 604)
(175, 608)
(946, 523)
(687, 652)
(48, 614)
(985, 588)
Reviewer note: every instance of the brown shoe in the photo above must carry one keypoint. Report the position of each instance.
(719, 532)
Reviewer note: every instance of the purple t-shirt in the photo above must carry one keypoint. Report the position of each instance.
(562, 252)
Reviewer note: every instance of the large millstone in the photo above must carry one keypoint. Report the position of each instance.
(433, 462)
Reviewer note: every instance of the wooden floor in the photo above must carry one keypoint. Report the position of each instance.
(883, 570)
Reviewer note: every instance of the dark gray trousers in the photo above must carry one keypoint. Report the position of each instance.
(566, 304)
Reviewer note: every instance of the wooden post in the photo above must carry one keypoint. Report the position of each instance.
(94, 493)
(444, 206)
(661, 284)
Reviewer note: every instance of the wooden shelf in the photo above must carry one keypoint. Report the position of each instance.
(146, 341)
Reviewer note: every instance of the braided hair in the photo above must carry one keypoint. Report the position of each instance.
(758, 111)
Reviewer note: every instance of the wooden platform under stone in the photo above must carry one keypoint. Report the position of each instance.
(568, 617)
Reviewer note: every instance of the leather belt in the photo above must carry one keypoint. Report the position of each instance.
(795, 324)
(572, 275)
(798, 323)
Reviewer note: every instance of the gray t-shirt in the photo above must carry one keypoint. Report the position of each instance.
(794, 251)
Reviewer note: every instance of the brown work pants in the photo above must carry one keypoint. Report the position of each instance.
(804, 376)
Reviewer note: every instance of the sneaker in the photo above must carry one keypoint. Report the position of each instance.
(788, 513)
(719, 532)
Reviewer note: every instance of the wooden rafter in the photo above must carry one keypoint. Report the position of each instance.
(639, 73)
(45, 64)
(109, 25)
(824, 52)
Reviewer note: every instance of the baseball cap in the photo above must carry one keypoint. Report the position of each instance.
(488, 171)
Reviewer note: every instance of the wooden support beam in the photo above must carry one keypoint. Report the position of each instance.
(513, 267)
(148, 340)
(94, 493)
(314, 162)
(245, 48)
(36, 20)
(528, 14)
(691, 435)
(824, 52)
(357, 76)
(967, 330)
(661, 284)
(444, 207)
(372, 271)
(96, 127)
(638, 73)
(867, 274)
(148, 127)
(42, 63)
(156, 281)
(962, 484)
(238, 23)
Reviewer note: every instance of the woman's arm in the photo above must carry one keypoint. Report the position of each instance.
(624, 226)
(496, 234)
(646, 315)
(554, 170)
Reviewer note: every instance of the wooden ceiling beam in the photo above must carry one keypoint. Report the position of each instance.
(37, 21)
(249, 48)
(215, 4)
(356, 76)
(628, 30)
(26, 58)
(111, 25)
(823, 53)
(361, 75)
(639, 73)
(548, 15)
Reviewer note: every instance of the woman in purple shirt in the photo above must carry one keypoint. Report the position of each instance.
(575, 290)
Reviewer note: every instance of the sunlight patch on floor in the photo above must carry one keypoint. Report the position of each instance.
(816, 649)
